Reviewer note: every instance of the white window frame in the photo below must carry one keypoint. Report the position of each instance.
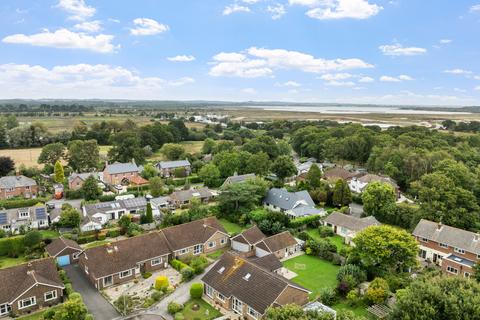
(221, 297)
(443, 245)
(183, 251)
(209, 291)
(32, 300)
(24, 214)
(452, 270)
(53, 293)
(105, 284)
(466, 274)
(212, 244)
(424, 239)
(223, 240)
(86, 268)
(197, 249)
(76, 255)
(458, 250)
(156, 261)
(128, 273)
(253, 313)
(5, 309)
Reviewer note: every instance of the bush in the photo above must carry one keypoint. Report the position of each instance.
(73, 194)
(89, 316)
(178, 265)
(303, 236)
(102, 236)
(187, 273)
(113, 233)
(327, 296)
(325, 231)
(156, 296)
(351, 270)
(20, 203)
(196, 290)
(199, 263)
(322, 248)
(12, 246)
(174, 308)
(86, 239)
(49, 314)
(161, 282)
(347, 283)
(352, 298)
(377, 291)
(308, 221)
(179, 316)
(146, 275)
(68, 289)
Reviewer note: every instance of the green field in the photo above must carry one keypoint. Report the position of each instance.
(205, 312)
(6, 262)
(190, 147)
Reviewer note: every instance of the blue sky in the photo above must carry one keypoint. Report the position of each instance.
(358, 51)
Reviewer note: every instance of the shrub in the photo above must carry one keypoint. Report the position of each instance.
(161, 282)
(174, 308)
(347, 283)
(49, 314)
(196, 290)
(322, 248)
(308, 221)
(113, 233)
(351, 270)
(303, 236)
(327, 296)
(146, 275)
(86, 239)
(156, 296)
(68, 289)
(179, 316)
(377, 291)
(89, 316)
(352, 298)
(12, 246)
(325, 231)
(178, 265)
(101, 236)
(199, 263)
(187, 273)
(20, 203)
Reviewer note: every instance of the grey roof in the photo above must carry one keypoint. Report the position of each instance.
(160, 200)
(239, 178)
(288, 200)
(83, 176)
(454, 237)
(367, 178)
(269, 262)
(118, 167)
(16, 182)
(350, 222)
(127, 204)
(173, 164)
(302, 211)
(186, 195)
(35, 213)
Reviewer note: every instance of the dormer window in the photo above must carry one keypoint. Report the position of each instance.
(221, 270)
(22, 214)
(247, 277)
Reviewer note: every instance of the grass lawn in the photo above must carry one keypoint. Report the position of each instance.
(96, 244)
(215, 255)
(231, 227)
(313, 273)
(359, 310)
(37, 315)
(205, 312)
(6, 262)
(336, 239)
(190, 147)
(49, 234)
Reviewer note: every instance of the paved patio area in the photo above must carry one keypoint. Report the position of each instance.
(143, 288)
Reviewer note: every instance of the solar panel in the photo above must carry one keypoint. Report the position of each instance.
(41, 213)
(102, 205)
(3, 218)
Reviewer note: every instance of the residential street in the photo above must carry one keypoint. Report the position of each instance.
(95, 302)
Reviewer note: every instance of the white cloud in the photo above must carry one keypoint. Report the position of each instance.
(400, 78)
(291, 84)
(457, 71)
(336, 76)
(339, 9)
(445, 41)
(249, 91)
(262, 62)
(77, 9)
(475, 8)
(181, 58)
(399, 50)
(234, 8)
(251, 1)
(366, 79)
(65, 39)
(459, 90)
(335, 83)
(277, 11)
(89, 26)
(147, 27)
(476, 77)
(80, 81)
(477, 88)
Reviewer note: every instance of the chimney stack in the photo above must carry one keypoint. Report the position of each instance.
(440, 225)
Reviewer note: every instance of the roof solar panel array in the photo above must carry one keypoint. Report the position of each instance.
(3, 218)
(41, 213)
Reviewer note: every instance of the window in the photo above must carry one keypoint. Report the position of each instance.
(424, 239)
(183, 251)
(197, 249)
(444, 245)
(221, 297)
(5, 309)
(223, 240)
(23, 214)
(458, 250)
(41, 222)
(254, 314)
(125, 274)
(156, 261)
(25, 303)
(209, 291)
(452, 270)
(76, 255)
(10, 189)
(422, 254)
(212, 244)
(50, 295)
(466, 274)
(107, 281)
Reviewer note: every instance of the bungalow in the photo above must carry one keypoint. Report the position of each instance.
(347, 226)
(76, 180)
(269, 262)
(455, 250)
(13, 220)
(281, 245)
(168, 168)
(334, 174)
(29, 287)
(124, 260)
(18, 186)
(120, 173)
(245, 242)
(293, 204)
(65, 251)
(200, 236)
(358, 184)
(247, 289)
(237, 179)
(183, 197)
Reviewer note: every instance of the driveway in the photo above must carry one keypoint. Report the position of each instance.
(95, 302)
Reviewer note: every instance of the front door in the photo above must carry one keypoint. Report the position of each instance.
(237, 306)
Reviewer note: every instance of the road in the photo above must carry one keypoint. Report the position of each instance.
(96, 304)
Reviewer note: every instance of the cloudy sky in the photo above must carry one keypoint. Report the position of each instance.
(360, 51)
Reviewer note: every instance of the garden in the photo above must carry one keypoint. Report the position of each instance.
(195, 308)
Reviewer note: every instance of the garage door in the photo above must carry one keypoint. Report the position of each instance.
(63, 260)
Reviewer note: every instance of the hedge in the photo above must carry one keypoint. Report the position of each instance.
(73, 194)
(178, 265)
(12, 246)
(20, 203)
(113, 233)
(143, 187)
(86, 239)
(195, 179)
(309, 221)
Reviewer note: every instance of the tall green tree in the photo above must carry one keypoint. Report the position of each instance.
(69, 217)
(83, 155)
(342, 195)
(385, 249)
(51, 153)
(127, 146)
(58, 172)
(314, 175)
(210, 175)
(173, 151)
(6, 166)
(149, 213)
(379, 201)
(283, 167)
(208, 146)
(258, 163)
(156, 186)
(90, 189)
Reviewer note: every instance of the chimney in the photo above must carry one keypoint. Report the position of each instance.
(439, 226)
(30, 268)
(133, 161)
(476, 236)
(17, 173)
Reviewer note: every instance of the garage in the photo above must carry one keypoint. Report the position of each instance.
(63, 260)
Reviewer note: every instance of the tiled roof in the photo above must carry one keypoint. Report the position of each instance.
(454, 237)
(288, 200)
(248, 282)
(186, 195)
(338, 173)
(59, 244)
(16, 280)
(269, 262)
(16, 182)
(250, 236)
(350, 222)
(83, 176)
(173, 164)
(278, 242)
(239, 178)
(118, 167)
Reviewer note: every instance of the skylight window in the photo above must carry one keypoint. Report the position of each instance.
(221, 270)
(247, 276)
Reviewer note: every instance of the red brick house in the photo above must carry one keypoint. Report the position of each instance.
(29, 287)
(18, 186)
(120, 173)
(455, 250)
